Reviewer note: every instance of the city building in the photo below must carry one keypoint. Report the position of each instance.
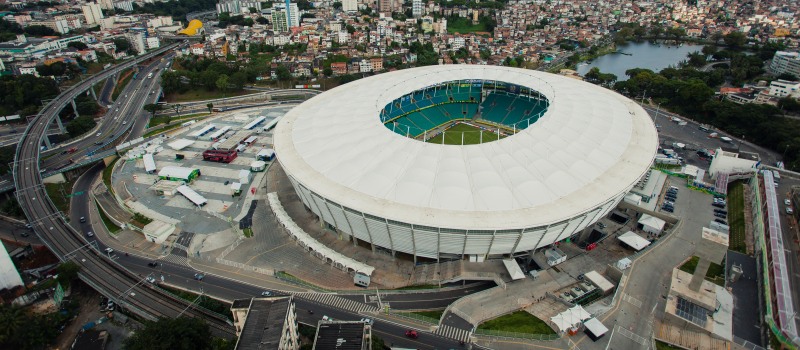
(125, 5)
(785, 62)
(137, 40)
(288, 13)
(386, 7)
(784, 88)
(468, 203)
(93, 13)
(350, 5)
(279, 23)
(343, 335)
(9, 276)
(266, 323)
(416, 8)
(60, 26)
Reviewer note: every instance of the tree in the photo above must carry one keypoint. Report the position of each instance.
(327, 71)
(153, 108)
(123, 44)
(337, 5)
(283, 73)
(709, 50)
(171, 333)
(67, 272)
(210, 107)
(80, 125)
(787, 76)
(735, 40)
(789, 104)
(38, 30)
(222, 82)
(77, 45)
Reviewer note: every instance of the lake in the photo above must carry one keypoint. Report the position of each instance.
(653, 56)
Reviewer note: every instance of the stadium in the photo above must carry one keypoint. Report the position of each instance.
(445, 162)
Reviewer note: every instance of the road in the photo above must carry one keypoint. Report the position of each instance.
(125, 113)
(98, 269)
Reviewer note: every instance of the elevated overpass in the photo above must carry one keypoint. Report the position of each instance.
(98, 268)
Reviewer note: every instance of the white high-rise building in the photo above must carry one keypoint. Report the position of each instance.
(137, 40)
(292, 19)
(9, 276)
(106, 4)
(93, 13)
(785, 62)
(416, 8)
(126, 5)
(349, 5)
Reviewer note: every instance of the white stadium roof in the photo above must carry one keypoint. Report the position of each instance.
(590, 146)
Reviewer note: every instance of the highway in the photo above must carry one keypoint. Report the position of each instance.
(98, 268)
(125, 113)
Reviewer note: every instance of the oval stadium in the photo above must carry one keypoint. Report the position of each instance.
(464, 160)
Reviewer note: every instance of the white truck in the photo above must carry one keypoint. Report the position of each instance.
(361, 279)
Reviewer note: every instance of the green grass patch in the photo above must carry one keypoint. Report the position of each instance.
(203, 94)
(162, 130)
(470, 135)
(248, 232)
(110, 225)
(287, 98)
(163, 119)
(58, 194)
(432, 314)
(715, 273)
(660, 345)
(519, 322)
(464, 26)
(127, 75)
(107, 174)
(204, 301)
(736, 217)
(140, 220)
(690, 265)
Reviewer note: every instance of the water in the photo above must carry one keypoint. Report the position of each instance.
(653, 56)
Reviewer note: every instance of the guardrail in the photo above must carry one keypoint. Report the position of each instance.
(516, 335)
(416, 317)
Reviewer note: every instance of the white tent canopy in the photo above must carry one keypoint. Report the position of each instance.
(651, 223)
(570, 318)
(192, 196)
(634, 241)
(513, 269)
(308, 241)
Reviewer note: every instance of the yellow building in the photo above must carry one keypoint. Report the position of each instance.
(193, 28)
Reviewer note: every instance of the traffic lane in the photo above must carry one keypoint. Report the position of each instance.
(392, 334)
(690, 134)
(18, 233)
(790, 240)
(112, 123)
(419, 301)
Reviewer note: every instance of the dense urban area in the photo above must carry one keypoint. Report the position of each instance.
(144, 141)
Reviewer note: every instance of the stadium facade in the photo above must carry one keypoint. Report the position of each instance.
(571, 151)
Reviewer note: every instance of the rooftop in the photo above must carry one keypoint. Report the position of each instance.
(340, 335)
(264, 324)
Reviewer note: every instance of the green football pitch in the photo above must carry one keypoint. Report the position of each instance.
(469, 134)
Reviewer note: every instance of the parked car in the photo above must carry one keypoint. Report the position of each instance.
(668, 209)
(789, 210)
(718, 205)
(721, 221)
(719, 215)
(787, 202)
(721, 211)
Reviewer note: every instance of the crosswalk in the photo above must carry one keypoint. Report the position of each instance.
(452, 333)
(336, 301)
(176, 259)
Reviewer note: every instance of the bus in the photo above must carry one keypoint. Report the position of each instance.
(776, 176)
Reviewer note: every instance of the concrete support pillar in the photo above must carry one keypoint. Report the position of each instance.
(91, 90)
(47, 141)
(74, 108)
(61, 127)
